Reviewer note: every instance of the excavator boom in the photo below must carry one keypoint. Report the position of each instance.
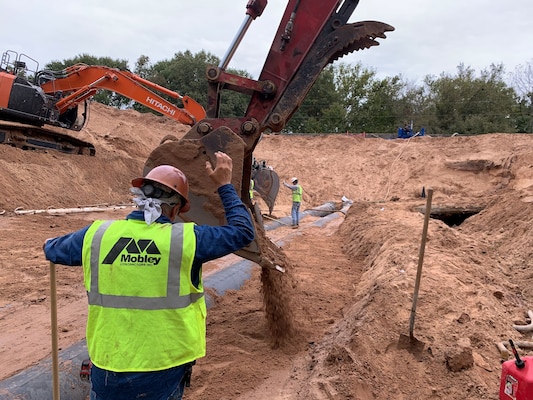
(81, 81)
(311, 35)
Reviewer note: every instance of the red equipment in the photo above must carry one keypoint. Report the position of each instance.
(85, 370)
(311, 35)
(517, 378)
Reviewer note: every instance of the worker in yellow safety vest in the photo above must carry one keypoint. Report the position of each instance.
(252, 190)
(143, 276)
(297, 193)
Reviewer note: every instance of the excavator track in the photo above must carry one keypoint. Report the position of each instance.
(29, 137)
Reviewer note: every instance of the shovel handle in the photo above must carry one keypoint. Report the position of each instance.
(55, 346)
(420, 261)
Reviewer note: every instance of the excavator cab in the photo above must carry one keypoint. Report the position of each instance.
(22, 99)
(25, 108)
(18, 64)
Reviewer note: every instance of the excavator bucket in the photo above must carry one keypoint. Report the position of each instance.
(307, 40)
(266, 184)
(190, 155)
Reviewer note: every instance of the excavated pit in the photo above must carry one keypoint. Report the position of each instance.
(451, 215)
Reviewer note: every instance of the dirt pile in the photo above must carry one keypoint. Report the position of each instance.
(353, 276)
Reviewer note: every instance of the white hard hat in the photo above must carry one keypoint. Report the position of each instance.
(294, 179)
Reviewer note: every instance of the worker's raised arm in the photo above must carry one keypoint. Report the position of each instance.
(221, 174)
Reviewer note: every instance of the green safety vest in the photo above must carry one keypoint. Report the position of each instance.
(297, 194)
(144, 312)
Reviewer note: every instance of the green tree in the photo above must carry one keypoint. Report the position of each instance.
(185, 74)
(348, 98)
(469, 104)
(89, 60)
(142, 66)
(522, 80)
(353, 83)
(381, 103)
(412, 105)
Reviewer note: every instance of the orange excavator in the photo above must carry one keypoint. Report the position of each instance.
(59, 99)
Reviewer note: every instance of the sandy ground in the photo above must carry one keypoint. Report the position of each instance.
(354, 276)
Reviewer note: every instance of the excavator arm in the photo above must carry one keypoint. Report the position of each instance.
(59, 99)
(79, 82)
(311, 35)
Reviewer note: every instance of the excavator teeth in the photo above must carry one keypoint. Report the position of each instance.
(358, 36)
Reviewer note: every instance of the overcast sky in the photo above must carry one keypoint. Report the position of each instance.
(431, 36)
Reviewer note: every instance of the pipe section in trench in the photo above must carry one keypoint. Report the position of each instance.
(35, 383)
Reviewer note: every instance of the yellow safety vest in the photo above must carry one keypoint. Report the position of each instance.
(297, 194)
(251, 189)
(144, 312)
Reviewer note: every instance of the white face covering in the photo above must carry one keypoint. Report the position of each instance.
(150, 207)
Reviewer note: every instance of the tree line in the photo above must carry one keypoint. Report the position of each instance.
(351, 98)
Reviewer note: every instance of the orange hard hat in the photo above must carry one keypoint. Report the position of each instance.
(170, 177)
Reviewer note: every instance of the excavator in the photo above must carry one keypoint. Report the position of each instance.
(60, 99)
(311, 35)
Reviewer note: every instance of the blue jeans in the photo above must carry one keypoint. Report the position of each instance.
(295, 213)
(168, 384)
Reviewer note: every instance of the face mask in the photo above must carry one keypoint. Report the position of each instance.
(150, 207)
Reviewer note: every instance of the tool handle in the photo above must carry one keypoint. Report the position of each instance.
(55, 346)
(518, 361)
(420, 261)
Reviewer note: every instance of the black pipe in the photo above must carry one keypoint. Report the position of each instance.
(35, 383)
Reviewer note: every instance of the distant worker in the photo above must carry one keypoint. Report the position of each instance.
(297, 192)
(252, 191)
(143, 276)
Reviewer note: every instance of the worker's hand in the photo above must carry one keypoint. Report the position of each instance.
(221, 175)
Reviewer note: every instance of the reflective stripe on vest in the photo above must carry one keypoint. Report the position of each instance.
(172, 300)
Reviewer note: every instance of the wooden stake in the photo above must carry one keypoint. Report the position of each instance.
(55, 347)
(420, 262)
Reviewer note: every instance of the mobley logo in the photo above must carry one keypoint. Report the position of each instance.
(140, 252)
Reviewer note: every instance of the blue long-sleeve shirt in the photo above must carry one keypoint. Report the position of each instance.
(211, 241)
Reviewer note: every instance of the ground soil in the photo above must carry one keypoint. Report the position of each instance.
(352, 278)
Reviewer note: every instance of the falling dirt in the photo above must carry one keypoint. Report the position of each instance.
(347, 296)
(276, 289)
